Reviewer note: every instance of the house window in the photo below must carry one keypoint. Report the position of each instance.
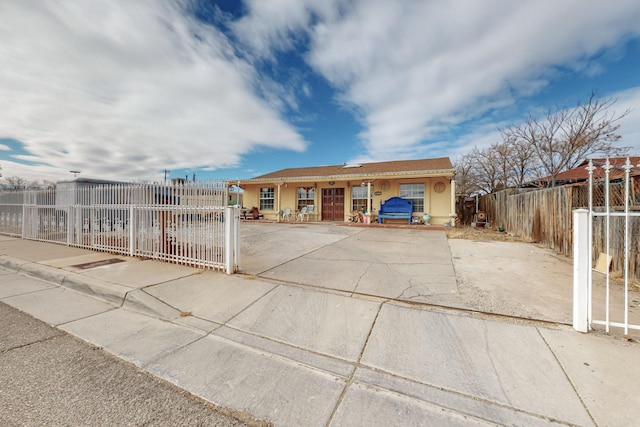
(267, 199)
(359, 198)
(306, 197)
(415, 193)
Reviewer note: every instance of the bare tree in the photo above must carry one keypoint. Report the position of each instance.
(523, 165)
(565, 137)
(15, 183)
(489, 163)
(466, 175)
(483, 170)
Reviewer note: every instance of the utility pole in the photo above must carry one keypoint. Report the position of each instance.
(166, 171)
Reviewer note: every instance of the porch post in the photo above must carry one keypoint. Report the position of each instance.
(369, 197)
(581, 267)
(453, 197)
(278, 208)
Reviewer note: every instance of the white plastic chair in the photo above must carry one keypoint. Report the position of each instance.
(302, 213)
(309, 211)
(286, 214)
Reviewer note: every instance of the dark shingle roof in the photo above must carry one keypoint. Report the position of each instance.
(399, 167)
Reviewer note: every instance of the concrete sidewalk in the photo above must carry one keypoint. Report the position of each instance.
(333, 325)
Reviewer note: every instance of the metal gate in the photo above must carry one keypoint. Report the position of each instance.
(617, 238)
(185, 224)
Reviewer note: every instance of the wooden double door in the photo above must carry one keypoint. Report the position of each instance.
(333, 204)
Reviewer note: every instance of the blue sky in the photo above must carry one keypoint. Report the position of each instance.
(229, 89)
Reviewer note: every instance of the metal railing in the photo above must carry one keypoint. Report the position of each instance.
(617, 236)
(187, 224)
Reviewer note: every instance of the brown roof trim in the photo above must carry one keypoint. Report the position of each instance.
(398, 168)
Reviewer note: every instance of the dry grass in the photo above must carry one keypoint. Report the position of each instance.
(618, 278)
(481, 234)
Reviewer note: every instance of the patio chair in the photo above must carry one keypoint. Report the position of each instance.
(309, 211)
(286, 214)
(301, 214)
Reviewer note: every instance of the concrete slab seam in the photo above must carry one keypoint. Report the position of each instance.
(566, 374)
(324, 289)
(449, 391)
(35, 291)
(198, 271)
(300, 256)
(440, 408)
(89, 316)
(302, 349)
(128, 297)
(161, 356)
(250, 305)
(355, 368)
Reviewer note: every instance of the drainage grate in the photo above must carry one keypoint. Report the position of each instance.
(95, 264)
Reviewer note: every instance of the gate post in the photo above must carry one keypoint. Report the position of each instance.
(132, 232)
(229, 239)
(236, 237)
(581, 267)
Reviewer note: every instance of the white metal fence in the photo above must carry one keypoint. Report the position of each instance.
(186, 224)
(620, 225)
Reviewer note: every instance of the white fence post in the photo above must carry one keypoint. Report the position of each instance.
(132, 232)
(229, 228)
(236, 236)
(581, 267)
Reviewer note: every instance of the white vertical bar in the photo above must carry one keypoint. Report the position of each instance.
(25, 219)
(236, 236)
(581, 268)
(228, 240)
(627, 168)
(590, 168)
(70, 224)
(132, 231)
(607, 168)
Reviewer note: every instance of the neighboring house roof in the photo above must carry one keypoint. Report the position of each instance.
(399, 167)
(580, 173)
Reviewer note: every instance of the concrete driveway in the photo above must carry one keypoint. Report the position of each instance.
(417, 265)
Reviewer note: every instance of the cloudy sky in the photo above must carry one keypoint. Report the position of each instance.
(125, 89)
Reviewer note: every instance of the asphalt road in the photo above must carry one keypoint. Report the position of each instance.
(48, 377)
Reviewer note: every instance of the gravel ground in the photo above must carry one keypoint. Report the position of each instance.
(48, 377)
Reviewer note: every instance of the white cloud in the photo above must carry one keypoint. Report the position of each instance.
(126, 89)
(413, 68)
(630, 124)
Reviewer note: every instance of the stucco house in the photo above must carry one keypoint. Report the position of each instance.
(337, 191)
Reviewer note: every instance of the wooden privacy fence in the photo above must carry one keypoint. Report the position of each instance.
(545, 216)
(542, 216)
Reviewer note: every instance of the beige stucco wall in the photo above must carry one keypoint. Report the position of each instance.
(437, 204)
